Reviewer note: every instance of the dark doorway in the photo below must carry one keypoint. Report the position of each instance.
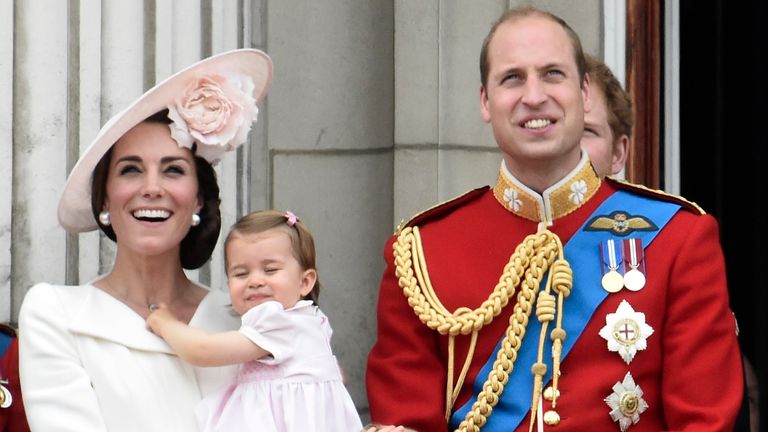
(724, 150)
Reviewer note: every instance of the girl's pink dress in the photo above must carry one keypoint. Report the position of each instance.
(297, 388)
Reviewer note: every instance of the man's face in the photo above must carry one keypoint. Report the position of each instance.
(607, 153)
(534, 99)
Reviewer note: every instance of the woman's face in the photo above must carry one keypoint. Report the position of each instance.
(152, 190)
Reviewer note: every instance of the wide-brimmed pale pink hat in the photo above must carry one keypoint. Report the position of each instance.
(211, 103)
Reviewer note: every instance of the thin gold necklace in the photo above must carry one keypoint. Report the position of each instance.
(149, 306)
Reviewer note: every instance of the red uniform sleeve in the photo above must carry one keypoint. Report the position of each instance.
(405, 377)
(13, 419)
(702, 383)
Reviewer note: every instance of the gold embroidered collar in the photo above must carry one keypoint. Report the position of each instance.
(557, 201)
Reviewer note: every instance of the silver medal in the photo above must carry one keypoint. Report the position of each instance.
(634, 280)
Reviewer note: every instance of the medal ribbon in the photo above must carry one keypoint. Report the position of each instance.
(635, 254)
(582, 252)
(614, 255)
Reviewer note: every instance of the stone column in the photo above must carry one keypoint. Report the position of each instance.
(330, 137)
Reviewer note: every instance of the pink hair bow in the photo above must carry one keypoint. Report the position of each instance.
(291, 218)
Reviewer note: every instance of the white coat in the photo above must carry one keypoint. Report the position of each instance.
(88, 363)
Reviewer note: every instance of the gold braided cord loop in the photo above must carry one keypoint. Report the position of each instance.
(414, 280)
(526, 268)
(518, 322)
(562, 283)
(562, 277)
(547, 308)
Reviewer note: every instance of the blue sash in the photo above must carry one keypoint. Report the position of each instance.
(5, 342)
(583, 254)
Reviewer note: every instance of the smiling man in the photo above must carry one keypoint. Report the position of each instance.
(556, 299)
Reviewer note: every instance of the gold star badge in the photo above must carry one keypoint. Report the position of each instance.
(626, 402)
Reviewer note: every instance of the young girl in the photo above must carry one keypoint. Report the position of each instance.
(289, 379)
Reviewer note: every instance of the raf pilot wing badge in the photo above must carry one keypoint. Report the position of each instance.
(620, 223)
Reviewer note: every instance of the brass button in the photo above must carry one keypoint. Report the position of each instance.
(549, 393)
(551, 418)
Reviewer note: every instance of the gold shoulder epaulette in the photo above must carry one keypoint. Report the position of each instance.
(440, 209)
(658, 194)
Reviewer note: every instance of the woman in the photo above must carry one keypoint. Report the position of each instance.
(88, 362)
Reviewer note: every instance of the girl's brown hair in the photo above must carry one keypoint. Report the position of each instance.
(302, 242)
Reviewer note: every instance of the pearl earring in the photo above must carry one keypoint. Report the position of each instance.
(195, 219)
(105, 218)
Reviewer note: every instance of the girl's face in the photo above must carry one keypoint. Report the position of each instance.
(262, 267)
(152, 190)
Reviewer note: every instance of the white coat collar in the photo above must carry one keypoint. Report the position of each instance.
(99, 315)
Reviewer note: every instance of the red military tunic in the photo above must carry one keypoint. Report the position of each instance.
(12, 418)
(690, 372)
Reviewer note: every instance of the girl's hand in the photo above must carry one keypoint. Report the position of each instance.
(388, 428)
(159, 316)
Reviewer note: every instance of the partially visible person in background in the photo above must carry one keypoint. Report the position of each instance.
(12, 416)
(608, 124)
(753, 394)
(607, 131)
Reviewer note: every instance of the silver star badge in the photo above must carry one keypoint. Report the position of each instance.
(626, 402)
(6, 399)
(626, 331)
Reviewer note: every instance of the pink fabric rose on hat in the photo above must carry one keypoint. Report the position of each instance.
(217, 112)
